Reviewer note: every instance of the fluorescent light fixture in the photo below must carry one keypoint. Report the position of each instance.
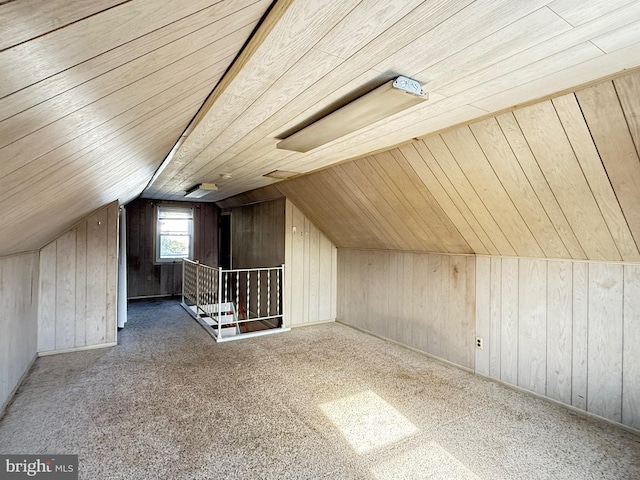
(392, 97)
(201, 190)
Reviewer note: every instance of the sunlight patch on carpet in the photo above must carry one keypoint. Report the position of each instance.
(367, 421)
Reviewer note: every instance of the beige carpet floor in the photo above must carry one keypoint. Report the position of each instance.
(317, 402)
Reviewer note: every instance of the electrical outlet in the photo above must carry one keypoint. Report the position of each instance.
(479, 343)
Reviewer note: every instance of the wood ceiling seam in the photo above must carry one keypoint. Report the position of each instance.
(441, 154)
(73, 133)
(405, 152)
(446, 229)
(7, 46)
(61, 188)
(423, 231)
(95, 67)
(510, 166)
(557, 161)
(506, 191)
(399, 218)
(501, 218)
(354, 187)
(30, 124)
(96, 144)
(614, 217)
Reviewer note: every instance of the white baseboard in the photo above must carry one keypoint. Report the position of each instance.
(309, 324)
(77, 349)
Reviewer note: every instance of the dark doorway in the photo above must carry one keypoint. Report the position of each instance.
(225, 240)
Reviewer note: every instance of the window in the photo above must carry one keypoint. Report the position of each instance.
(174, 234)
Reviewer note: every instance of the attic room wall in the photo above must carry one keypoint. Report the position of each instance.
(425, 301)
(311, 260)
(78, 285)
(274, 232)
(146, 278)
(567, 330)
(18, 320)
(257, 235)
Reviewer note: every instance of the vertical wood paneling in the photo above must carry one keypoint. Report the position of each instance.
(532, 325)
(574, 330)
(580, 335)
(604, 384)
(18, 319)
(426, 301)
(97, 260)
(311, 268)
(81, 285)
(509, 321)
(77, 299)
(415, 270)
(483, 315)
(438, 298)
(495, 344)
(631, 349)
(559, 330)
(66, 290)
(47, 299)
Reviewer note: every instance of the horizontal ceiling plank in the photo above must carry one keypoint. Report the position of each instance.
(46, 56)
(91, 138)
(563, 79)
(103, 63)
(23, 20)
(214, 44)
(96, 114)
(476, 21)
(585, 10)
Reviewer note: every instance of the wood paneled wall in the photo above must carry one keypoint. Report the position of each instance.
(18, 320)
(145, 278)
(425, 301)
(78, 285)
(257, 235)
(310, 271)
(568, 330)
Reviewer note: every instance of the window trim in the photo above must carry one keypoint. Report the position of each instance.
(158, 234)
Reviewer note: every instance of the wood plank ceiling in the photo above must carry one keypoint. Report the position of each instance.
(473, 57)
(95, 94)
(555, 179)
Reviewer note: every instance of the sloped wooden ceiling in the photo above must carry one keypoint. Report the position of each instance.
(472, 57)
(94, 94)
(555, 179)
